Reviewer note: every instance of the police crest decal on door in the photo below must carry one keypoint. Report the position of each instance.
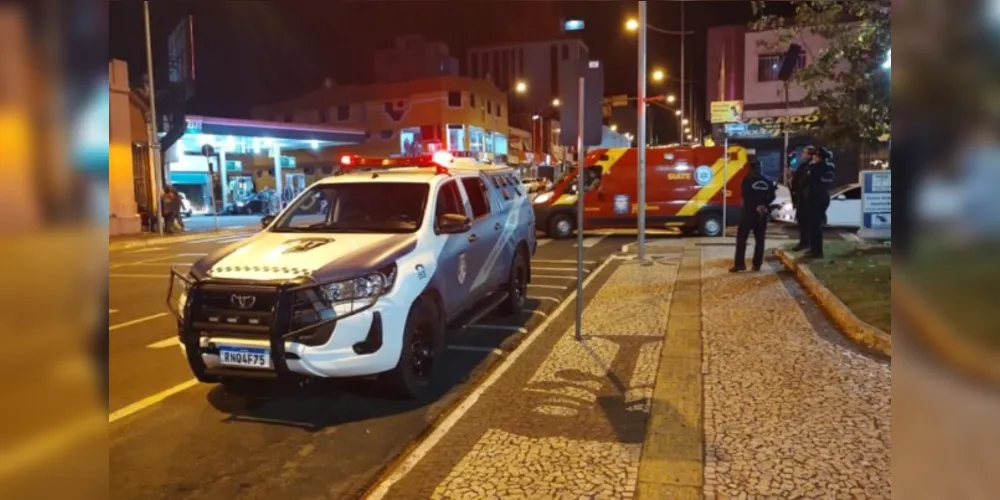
(463, 268)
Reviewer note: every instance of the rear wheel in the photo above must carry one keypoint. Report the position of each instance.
(516, 287)
(560, 226)
(710, 224)
(422, 350)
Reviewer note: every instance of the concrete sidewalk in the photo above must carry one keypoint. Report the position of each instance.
(691, 383)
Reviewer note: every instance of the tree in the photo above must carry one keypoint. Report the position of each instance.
(848, 80)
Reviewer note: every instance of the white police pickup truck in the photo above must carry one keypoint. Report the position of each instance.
(360, 274)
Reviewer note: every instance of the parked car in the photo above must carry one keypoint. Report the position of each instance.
(844, 211)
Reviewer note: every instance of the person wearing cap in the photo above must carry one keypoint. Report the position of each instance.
(819, 180)
(759, 192)
(797, 190)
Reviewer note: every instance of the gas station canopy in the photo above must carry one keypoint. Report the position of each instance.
(255, 137)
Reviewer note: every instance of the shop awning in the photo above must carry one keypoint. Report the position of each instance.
(196, 178)
(254, 136)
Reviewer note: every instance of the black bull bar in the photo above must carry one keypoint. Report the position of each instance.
(278, 330)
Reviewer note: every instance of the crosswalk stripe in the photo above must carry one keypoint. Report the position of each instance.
(590, 242)
(163, 344)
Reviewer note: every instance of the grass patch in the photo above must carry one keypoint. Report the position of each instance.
(962, 283)
(860, 276)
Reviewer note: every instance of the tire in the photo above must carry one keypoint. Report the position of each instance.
(560, 226)
(516, 286)
(421, 353)
(710, 224)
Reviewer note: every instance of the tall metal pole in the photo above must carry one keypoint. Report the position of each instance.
(642, 132)
(785, 127)
(683, 80)
(154, 140)
(579, 212)
(725, 184)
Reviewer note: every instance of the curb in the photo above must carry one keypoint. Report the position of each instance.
(849, 324)
(945, 344)
(166, 240)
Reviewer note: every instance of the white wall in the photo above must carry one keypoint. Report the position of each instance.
(760, 93)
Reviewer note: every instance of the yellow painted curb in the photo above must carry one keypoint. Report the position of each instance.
(849, 324)
(953, 349)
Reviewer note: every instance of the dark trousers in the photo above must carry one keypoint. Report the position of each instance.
(750, 221)
(817, 218)
(802, 218)
(169, 218)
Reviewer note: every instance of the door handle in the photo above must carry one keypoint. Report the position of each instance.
(473, 238)
(497, 226)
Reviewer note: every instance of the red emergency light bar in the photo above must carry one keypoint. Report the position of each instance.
(440, 160)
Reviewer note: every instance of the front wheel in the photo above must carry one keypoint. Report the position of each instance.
(516, 286)
(710, 224)
(421, 353)
(560, 226)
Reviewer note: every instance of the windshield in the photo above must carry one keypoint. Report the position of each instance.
(591, 179)
(383, 207)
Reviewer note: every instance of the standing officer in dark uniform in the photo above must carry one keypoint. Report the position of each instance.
(758, 193)
(797, 190)
(819, 179)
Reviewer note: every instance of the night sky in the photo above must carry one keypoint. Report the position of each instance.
(250, 53)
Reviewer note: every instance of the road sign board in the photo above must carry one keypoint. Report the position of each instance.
(727, 111)
(736, 128)
(876, 204)
(618, 101)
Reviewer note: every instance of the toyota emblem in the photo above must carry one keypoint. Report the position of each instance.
(242, 301)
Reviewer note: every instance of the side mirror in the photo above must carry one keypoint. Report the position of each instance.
(266, 221)
(453, 224)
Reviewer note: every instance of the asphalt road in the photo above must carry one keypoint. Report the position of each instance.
(170, 437)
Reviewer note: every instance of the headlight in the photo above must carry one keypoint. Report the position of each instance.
(543, 198)
(346, 297)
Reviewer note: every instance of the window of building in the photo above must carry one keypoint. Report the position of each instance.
(565, 52)
(454, 99)
(476, 139)
(769, 66)
(478, 196)
(499, 109)
(324, 115)
(472, 101)
(488, 147)
(343, 112)
(500, 144)
(409, 141)
(456, 138)
(449, 200)
(489, 106)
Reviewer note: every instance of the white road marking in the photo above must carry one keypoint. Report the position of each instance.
(553, 299)
(144, 403)
(565, 261)
(145, 250)
(154, 264)
(551, 277)
(591, 242)
(112, 311)
(542, 243)
(475, 348)
(435, 436)
(163, 276)
(502, 328)
(553, 287)
(225, 238)
(136, 321)
(147, 261)
(165, 343)
(557, 269)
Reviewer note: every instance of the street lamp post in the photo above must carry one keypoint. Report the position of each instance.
(642, 132)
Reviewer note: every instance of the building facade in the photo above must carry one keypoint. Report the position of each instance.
(537, 64)
(413, 58)
(408, 117)
(743, 65)
(128, 154)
